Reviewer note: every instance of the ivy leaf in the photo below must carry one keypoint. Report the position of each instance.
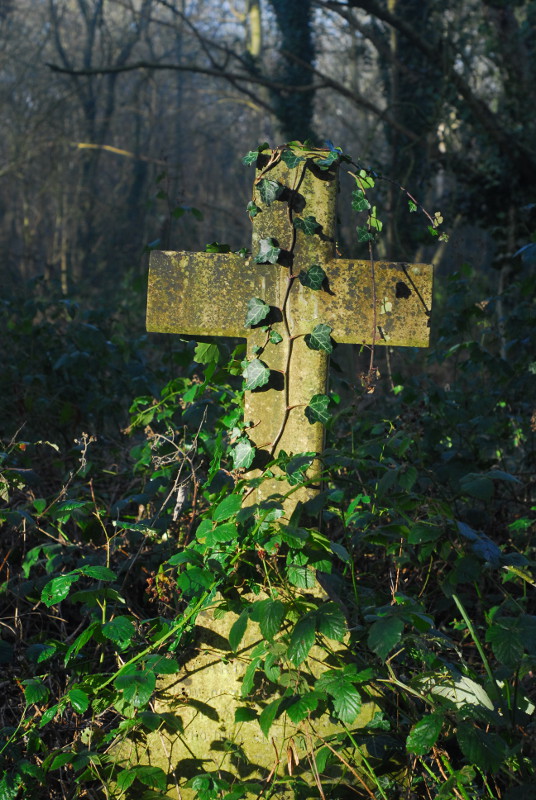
(275, 337)
(412, 206)
(313, 277)
(290, 159)
(243, 453)
(257, 311)
(424, 734)
(308, 225)
(270, 190)
(320, 338)
(250, 158)
(253, 209)
(256, 374)
(297, 466)
(363, 234)
(302, 639)
(328, 160)
(268, 252)
(373, 220)
(384, 634)
(359, 201)
(366, 181)
(317, 410)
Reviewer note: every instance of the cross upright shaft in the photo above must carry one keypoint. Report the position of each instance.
(206, 294)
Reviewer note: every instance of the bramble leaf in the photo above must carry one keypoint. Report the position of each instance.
(216, 247)
(317, 410)
(257, 311)
(384, 634)
(238, 629)
(300, 709)
(313, 278)
(268, 252)
(330, 621)
(137, 687)
(346, 698)
(256, 374)
(228, 507)
(320, 338)
(424, 734)
(308, 225)
(302, 639)
(58, 588)
(120, 630)
(206, 353)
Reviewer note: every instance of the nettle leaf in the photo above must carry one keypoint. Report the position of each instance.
(256, 374)
(384, 635)
(320, 338)
(275, 337)
(253, 209)
(424, 734)
(363, 234)
(58, 588)
(270, 190)
(317, 410)
(308, 225)
(291, 159)
(359, 201)
(268, 252)
(243, 453)
(302, 639)
(313, 277)
(257, 311)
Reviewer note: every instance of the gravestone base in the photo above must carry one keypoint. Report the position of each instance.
(202, 700)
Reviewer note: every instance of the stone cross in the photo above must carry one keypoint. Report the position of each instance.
(207, 294)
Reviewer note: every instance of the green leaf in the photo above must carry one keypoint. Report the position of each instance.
(228, 507)
(308, 225)
(217, 247)
(486, 750)
(359, 201)
(320, 338)
(301, 708)
(317, 410)
(238, 629)
(384, 635)
(268, 252)
(313, 278)
(346, 698)
(290, 159)
(250, 157)
(206, 353)
(243, 453)
(244, 714)
(78, 699)
(272, 613)
(302, 639)
(257, 311)
(268, 715)
(424, 734)
(331, 622)
(35, 691)
(137, 687)
(269, 190)
(162, 665)
(58, 588)
(253, 209)
(275, 337)
(120, 630)
(363, 234)
(256, 374)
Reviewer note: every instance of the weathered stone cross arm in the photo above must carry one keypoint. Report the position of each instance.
(206, 294)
